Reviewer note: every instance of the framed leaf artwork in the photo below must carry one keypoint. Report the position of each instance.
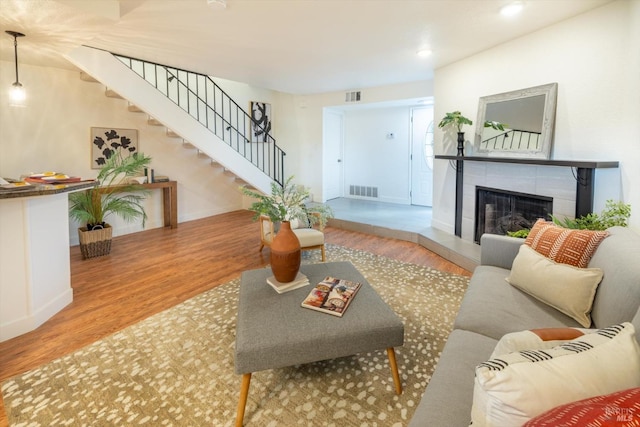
(106, 141)
(260, 121)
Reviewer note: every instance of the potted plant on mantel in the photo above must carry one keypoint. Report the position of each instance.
(458, 120)
(115, 195)
(285, 204)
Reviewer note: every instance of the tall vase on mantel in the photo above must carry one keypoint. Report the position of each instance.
(285, 254)
(460, 144)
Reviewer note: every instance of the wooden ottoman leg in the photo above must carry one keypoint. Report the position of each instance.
(244, 393)
(394, 369)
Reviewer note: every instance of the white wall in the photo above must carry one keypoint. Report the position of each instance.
(52, 133)
(595, 60)
(306, 112)
(373, 159)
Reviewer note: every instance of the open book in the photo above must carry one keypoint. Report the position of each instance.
(331, 296)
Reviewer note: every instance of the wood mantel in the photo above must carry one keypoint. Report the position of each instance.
(584, 178)
(587, 164)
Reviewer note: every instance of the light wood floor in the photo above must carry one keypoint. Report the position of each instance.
(153, 270)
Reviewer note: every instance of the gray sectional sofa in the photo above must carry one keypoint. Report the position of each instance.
(492, 308)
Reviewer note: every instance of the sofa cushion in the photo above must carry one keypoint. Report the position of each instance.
(598, 363)
(618, 295)
(619, 408)
(493, 307)
(447, 400)
(309, 237)
(573, 247)
(564, 287)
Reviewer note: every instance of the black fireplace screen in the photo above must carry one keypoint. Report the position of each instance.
(499, 211)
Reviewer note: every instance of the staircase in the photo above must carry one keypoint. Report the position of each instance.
(192, 108)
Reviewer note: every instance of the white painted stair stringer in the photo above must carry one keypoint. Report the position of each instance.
(112, 73)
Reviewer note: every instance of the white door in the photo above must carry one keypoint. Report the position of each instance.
(332, 142)
(422, 156)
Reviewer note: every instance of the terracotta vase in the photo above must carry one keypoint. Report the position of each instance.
(285, 254)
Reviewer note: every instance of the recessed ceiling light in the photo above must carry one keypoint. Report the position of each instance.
(423, 53)
(512, 9)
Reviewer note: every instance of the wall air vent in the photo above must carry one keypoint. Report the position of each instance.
(352, 96)
(363, 191)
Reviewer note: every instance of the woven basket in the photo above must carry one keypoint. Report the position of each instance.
(95, 243)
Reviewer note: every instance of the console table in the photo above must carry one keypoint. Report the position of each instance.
(584, 178)
(169, 201)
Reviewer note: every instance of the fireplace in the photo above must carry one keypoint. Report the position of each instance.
(499, 211)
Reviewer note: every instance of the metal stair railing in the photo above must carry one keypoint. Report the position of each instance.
(513, 139)
(206, 102)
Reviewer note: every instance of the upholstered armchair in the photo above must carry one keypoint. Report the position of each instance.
(310, 237)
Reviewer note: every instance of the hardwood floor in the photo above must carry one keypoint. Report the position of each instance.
(153, 270)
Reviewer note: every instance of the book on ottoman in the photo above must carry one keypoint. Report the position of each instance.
(281, 287)
(331, 296)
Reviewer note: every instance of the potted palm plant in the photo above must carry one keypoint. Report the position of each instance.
(115, 195)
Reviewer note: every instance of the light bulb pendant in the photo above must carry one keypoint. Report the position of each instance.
(17, 92)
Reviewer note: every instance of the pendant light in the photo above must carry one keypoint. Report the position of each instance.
(17, 92)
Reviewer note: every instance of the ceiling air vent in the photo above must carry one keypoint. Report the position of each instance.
(352, 96)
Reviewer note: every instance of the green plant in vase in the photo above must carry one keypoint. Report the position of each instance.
(456, 120)
(288, 202)
(114, 195)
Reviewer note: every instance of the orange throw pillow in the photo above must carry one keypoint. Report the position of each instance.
(555, 334)
(564, 245)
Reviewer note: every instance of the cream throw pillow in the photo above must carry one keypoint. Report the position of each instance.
(513, 388)
(566, 288)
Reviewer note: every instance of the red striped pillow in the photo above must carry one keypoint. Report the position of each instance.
(618, 409)
(563, 245)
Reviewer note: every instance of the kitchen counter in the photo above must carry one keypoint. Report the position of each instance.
(35, 274)
(46, 189)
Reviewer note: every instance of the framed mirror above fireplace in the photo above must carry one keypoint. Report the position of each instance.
(528, 117)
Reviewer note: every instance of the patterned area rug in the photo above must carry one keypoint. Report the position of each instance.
(176, 368)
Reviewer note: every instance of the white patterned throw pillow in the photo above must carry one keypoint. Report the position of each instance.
(515, 387)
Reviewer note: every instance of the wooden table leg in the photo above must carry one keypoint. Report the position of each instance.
(166, 206)
(244, 393)
(174, 205)
(394, 369)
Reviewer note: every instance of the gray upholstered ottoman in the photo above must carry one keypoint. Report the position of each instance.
(274, 331)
